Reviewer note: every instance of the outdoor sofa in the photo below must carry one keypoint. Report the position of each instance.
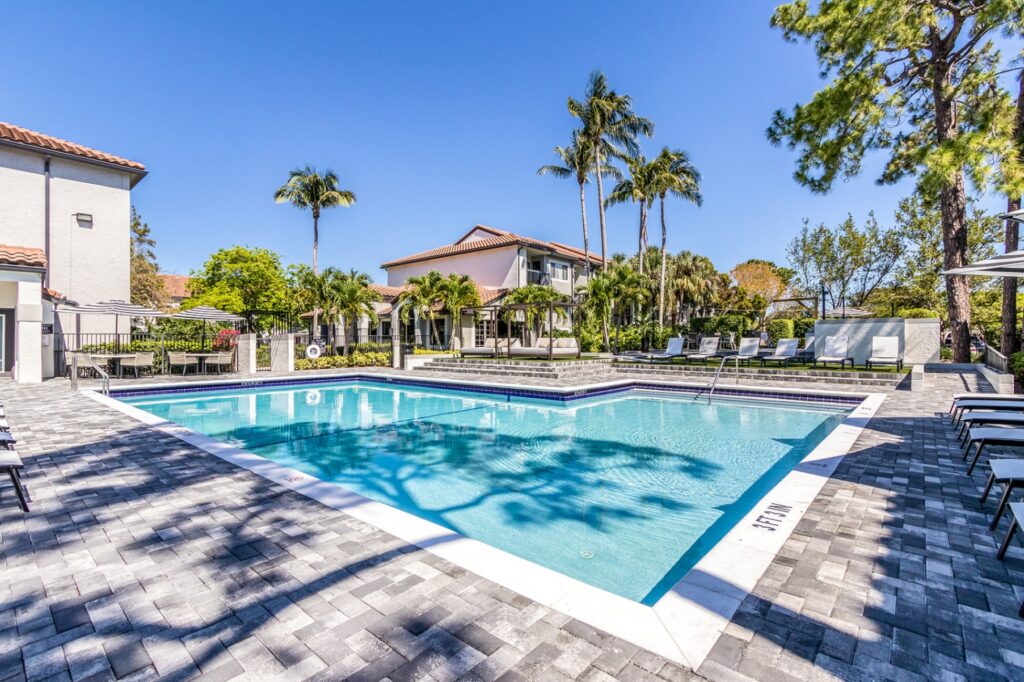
(560, 348)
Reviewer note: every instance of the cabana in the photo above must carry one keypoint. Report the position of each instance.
(549, 349)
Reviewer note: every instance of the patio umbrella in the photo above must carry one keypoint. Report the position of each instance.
(207, 314)
(1004, 265)
(117, 308)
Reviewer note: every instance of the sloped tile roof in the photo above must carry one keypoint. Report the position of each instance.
(500, 239)
(25, 256)
(13, 133)
(176, 286)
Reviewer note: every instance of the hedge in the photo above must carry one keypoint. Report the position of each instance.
(360, 359)
(917, 313)
(780, 329)
(803, 327)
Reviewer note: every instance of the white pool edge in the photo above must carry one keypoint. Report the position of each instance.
(682, 626)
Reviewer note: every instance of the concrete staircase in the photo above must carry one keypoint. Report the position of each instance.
(594, 369)
(755, 374)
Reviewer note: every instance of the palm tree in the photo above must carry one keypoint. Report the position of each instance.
(318, 291)
(641, 188)
(458, 292)
(598, 298)
(537, 295)
(351, 299)
(423, 297)
(608, 119)
(578, 162)
(676, 175)
(306, 188)
(695, 283)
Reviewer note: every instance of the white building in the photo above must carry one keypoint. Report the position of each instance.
(64, 234)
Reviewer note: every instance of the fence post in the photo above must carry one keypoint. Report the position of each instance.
(282, 353)
(247, 353)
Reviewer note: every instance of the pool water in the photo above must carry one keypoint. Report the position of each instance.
(624, 492)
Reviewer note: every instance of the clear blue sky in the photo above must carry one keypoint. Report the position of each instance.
(436, 114)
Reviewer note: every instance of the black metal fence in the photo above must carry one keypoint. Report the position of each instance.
(101, 344)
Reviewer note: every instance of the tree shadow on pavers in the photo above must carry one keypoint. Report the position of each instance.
(891, 573)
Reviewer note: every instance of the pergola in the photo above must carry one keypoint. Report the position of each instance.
(525, 308)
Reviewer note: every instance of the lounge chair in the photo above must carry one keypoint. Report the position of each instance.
(561, 348)
(708, 349)
(885, 350)
(10, 463)
(673, 350)
(1007, 405)
(807, 352)
(999, 417)
(184, 361)
(977, 396)
(1010, 474)
(991, 435)
(1016, 521)
(785, 351)
(748, 350)
(837, 350)
(141, 361)
(7, 440)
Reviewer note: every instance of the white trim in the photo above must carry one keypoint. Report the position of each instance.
(682, 626)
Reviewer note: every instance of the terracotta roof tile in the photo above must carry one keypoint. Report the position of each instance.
(501, 238)
(26, 256)
(176, 286)
(25, 136)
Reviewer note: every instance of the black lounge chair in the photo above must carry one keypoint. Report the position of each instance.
(1010, 474)
(10, 462)
(999, 417)
(1007, 405)
(991, 435)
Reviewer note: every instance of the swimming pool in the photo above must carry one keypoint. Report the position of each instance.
(624, 491)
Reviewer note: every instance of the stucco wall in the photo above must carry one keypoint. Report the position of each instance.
(86, 264)
(919, 338)
(494, 268)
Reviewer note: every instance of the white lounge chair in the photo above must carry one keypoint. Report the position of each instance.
(673, 350)
(785, 351)
(748, 350)
(885, 350)
(708, 349)
(837, 350)
(807, 352)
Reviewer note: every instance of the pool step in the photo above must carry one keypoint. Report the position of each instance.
(701, 373)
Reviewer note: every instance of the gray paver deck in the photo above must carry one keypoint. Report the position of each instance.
(144, 557)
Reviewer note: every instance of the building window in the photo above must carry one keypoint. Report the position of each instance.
(559, 271)
(484, 330)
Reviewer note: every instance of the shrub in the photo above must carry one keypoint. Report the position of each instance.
(360, 359)
(780, 329)
(803, 327)
(917, 313)
(702, 325)
(226, 339)
(428, 351)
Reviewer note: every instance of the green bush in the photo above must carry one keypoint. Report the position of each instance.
(917, 313)
(428, 351)
(702, 325)
(803, 327)
(1016, 365)
(780, 329)
(359, 359)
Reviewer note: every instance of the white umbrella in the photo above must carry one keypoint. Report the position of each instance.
(207, 314)
(117, 308)
(1004, 265)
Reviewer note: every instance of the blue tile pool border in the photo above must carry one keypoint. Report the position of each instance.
(555, 395)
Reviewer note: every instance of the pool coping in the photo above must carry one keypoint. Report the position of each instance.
(684, 624)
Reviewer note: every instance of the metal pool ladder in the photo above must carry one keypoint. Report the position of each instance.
(710, 388)
(92, 365)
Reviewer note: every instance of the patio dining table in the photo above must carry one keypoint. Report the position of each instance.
(114, 359)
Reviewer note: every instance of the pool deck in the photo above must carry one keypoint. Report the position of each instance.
(145, 557)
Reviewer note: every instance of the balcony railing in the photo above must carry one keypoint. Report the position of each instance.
(537, 277)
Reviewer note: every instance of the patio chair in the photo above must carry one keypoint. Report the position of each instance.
(837, 350)
(708, 349)
(885, 350)
(674, 349)
(785, 351)
(182, 360)
(141, 361)
(7, 440)
(748, 350)
(1010, 474)
(976, 396)
(991, 435)
(10, 463)
(220, 361)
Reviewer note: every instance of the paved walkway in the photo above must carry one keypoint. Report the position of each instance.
(144, 557)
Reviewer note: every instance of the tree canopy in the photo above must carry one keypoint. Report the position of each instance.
(238, 279)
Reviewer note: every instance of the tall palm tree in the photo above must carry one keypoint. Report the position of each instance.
(598, 298)
(306, 188)
(608, 119)
(458, 292)
(675, 175)
(578, 162)
(630, 290)
(318, 291)
(423, 297)
(639, 187)
(352, 298)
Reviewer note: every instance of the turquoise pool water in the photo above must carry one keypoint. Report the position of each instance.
(624, 492)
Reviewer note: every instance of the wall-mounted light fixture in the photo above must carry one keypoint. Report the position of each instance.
(84, 220)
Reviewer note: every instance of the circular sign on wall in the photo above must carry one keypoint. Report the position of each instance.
(313, 351)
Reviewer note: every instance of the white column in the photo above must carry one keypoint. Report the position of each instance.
(396, 339)
(28, 332)
(282, 353)
(247, 353)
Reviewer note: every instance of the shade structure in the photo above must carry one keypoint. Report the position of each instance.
(116, 307)
(849, 311)
(1004, 265)
(207, 314)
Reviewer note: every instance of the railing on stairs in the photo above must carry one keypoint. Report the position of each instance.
(93, 365)
(710, 388)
